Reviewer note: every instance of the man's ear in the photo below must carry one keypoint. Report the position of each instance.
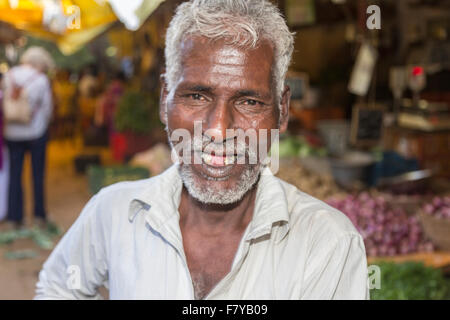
(163, 99)
(284, 108)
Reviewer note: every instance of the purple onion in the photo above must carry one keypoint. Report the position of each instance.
(385, 230)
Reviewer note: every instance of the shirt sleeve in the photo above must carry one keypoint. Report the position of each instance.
(77, 267)
(338, 272)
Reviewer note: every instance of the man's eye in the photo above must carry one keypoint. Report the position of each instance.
(196, 96)
(251, 102)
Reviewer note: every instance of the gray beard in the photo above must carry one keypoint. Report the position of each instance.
(208, 194)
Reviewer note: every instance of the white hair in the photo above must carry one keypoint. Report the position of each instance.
(38, 58)
(240, 22)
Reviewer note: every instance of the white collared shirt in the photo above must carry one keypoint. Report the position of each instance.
(128, 238)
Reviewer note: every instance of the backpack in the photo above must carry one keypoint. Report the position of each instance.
(16, 105)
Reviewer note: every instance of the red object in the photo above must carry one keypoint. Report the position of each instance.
(417, 71)
(136, 143)
(119, 146)
(313, 140)
(127, 144)
(112, 96)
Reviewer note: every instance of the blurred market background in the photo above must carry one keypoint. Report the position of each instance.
(369, 128)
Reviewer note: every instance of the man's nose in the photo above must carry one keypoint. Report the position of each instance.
(219, 119)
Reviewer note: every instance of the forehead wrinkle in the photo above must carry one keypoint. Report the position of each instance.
(221, 79)
(228, 61)
(226, 70)
(229, 55)
(225, 67)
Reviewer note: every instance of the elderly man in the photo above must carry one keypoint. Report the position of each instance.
(220, 227)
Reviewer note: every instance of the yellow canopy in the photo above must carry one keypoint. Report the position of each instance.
(69, 23)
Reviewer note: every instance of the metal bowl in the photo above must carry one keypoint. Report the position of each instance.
(352, 170)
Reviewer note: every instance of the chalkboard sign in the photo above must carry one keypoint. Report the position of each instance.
(367, 124)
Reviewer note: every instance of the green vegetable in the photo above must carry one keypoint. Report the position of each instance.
(52, 230)
(42, 237)
(12, 235)
(289, 147)
(411, 281)
(20, 254)
(298, 146)
(136, 112)
(101, 176)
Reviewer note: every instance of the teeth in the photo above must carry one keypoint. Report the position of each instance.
(208, 159)
(229, 160)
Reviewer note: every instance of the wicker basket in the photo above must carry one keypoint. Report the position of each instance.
(410, 204)
(438, 230)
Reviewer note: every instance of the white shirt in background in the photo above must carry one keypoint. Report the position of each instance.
(128, 238)
(40, 97)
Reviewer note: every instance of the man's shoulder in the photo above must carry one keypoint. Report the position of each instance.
(308, 214)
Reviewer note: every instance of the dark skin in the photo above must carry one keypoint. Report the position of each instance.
(225, 87)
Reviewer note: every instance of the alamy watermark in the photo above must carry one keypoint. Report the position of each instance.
(74, 277)
(374, 277)
(374, 20)
(74, 18)
(239, 146)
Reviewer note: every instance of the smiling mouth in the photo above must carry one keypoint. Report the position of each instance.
(216, 167)
(218, 160)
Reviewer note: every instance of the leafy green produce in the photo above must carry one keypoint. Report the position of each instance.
(100, 176)
(12, 235)
(52, 229)
(41, 237)
(411, 281)
(20, 254)
(298, 146)
(137, 112)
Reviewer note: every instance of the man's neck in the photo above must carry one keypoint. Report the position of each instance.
(215, 220)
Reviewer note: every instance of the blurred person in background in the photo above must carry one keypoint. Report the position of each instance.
(64, 90)
(31, 137)
(106, 108)
(88, 90)
(1, 123)
(3, 162)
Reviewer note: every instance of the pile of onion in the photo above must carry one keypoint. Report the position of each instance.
(387, 230)
(439, 207)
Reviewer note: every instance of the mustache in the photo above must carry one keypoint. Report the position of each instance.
(228, 147)
(206, 145)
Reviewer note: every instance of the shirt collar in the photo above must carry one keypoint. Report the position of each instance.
(161, 197)
(270, 207)
(160, 200)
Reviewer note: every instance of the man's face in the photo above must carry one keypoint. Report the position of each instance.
(223, 87)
